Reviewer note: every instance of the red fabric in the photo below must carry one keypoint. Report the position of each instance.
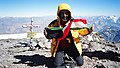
(64, 43)
(66, 31)
(81, 20)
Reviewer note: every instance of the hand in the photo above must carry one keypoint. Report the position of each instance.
(91, 29)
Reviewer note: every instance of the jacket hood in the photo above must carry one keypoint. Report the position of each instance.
(63, 6)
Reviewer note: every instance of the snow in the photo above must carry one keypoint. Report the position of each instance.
(114, 18)
(90, 37)
(19, 36)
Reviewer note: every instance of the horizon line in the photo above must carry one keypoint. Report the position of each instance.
(55, 16)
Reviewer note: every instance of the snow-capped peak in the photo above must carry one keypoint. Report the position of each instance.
(114, 18)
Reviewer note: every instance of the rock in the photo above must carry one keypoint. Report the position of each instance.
(98, 54)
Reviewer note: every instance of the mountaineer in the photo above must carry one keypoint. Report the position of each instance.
(69, 43)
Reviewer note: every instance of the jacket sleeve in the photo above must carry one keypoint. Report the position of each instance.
(85, 31)
(53, 23)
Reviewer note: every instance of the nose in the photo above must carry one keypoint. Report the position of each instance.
(65, 15)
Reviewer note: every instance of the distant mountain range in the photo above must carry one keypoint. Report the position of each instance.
(11, 25)
(107, 26)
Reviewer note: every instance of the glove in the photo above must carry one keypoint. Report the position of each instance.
(90, 30)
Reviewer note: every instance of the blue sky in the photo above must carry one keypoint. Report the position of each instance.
(49, 7)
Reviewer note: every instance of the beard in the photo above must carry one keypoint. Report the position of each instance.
(64, 21)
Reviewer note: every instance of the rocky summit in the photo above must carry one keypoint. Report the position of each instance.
(97, 53)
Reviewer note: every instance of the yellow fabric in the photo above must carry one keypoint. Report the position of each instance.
(75, 33)
(53, 45)
(63, 7)
(79, 47)
(83, 32)
(76, 38)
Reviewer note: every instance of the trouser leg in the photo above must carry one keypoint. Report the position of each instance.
(79, 60)
(59, 58)
(74, 53)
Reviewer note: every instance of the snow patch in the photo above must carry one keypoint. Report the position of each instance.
(19, 36)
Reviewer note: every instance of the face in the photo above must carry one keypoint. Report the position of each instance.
(64, 15)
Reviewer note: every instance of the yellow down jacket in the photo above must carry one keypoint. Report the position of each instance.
(75, 35)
